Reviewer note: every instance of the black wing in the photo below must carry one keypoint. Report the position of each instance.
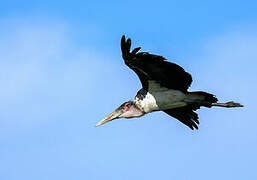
(153, 67)
(186, 115)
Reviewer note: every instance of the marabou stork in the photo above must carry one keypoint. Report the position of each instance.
(164, 88)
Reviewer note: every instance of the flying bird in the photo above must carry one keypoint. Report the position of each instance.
(164, 88)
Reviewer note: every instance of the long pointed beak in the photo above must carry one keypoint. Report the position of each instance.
(114, 115)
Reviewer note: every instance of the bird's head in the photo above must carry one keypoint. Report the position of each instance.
(126, 110)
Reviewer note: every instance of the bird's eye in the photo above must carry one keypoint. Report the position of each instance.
(127, 106)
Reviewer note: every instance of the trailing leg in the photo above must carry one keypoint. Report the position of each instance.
(229, 104)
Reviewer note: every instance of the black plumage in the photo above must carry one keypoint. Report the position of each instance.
(186, 114)
(153, 67)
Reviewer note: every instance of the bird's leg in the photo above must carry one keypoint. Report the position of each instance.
(227, 104)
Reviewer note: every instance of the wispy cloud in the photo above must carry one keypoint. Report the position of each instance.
(42, 72)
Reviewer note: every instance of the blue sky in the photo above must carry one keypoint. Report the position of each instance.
(61, 72)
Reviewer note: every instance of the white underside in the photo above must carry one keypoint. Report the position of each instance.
(160, 98)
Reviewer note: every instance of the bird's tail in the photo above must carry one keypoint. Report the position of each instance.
(200, 98)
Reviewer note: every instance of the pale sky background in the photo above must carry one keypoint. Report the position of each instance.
(61, 72)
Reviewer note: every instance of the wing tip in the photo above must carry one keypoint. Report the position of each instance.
(125, 47)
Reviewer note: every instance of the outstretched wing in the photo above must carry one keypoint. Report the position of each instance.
(153, 67)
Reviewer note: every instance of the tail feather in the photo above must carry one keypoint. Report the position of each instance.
(203, 98)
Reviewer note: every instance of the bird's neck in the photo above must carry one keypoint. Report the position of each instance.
(145, 101)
